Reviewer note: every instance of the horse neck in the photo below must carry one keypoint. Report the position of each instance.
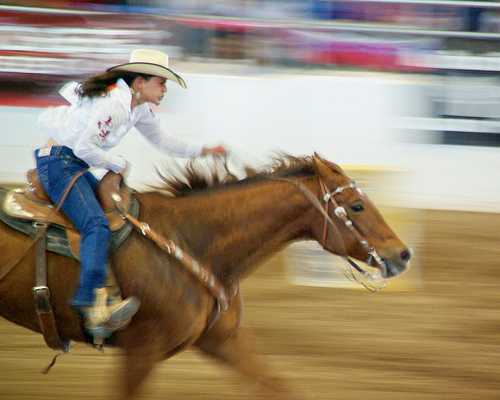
(233, 230)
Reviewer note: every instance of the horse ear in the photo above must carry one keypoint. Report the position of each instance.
(324, 168)
(319, 164)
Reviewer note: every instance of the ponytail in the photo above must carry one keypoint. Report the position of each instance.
(97, 85)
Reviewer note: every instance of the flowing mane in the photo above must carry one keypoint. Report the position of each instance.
(198, 177)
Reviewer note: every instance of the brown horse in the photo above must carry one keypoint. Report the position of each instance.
(229, 226)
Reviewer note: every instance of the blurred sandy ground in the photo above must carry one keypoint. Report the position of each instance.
(437, 341)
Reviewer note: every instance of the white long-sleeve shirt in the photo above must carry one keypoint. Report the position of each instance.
(93, 126)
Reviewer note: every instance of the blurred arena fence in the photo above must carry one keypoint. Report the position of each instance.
(390, 35)
(58, 44)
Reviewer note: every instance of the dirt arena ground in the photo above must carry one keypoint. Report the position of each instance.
(437, 338)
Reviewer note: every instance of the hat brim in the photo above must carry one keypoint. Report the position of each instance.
(150, 69)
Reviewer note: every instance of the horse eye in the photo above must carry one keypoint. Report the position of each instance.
(357, 207)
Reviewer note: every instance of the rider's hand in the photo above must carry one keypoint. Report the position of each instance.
(126, 171)
(214, 151)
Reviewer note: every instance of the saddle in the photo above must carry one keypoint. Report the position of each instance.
(23, 209)
(31, 211)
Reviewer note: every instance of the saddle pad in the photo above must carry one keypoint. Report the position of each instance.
(60, 240)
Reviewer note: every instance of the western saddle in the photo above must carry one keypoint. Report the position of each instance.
(31, 211)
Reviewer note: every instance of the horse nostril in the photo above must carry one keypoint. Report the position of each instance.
(406, 255)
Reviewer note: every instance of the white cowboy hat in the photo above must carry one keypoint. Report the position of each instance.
(150, 62)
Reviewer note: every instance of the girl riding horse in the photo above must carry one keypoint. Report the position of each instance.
(103, 110)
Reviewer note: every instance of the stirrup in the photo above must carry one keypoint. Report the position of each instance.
(102, 320)
(121, 313)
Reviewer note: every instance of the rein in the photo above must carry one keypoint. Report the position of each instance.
(203, 274)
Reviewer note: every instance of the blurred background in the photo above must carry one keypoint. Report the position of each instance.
(400, 84)
(404, 94)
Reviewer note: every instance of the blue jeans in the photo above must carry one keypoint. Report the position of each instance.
(56, 170)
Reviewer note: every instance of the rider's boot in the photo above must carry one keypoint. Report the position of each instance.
(101, 319)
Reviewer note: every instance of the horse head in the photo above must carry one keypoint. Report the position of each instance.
(352, 226)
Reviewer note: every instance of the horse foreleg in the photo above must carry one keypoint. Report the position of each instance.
(137, 363)
(240, 351)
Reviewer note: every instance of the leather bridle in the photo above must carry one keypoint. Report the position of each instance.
(378, 280)
(340, 212)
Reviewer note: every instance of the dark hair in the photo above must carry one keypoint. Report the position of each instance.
(98, 85)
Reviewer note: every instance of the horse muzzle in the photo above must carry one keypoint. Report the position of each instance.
(398, 263)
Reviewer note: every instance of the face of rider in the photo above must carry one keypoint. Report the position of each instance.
(151, 90)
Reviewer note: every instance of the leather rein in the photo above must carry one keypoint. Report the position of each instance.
(202, 273)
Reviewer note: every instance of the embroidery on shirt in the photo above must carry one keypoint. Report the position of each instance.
(104, 127)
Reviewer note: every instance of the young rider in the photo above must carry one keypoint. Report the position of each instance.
(103, 110)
